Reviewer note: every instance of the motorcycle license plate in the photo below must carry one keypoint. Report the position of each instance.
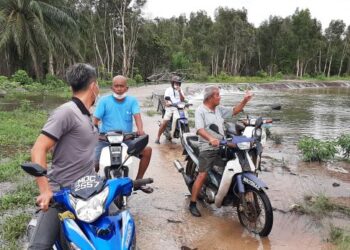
(86, 186)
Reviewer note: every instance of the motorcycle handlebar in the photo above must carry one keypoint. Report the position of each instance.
(141, 182)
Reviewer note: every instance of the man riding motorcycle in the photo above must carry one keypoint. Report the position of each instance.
(210, 112)
(71, 134)
(176, 95)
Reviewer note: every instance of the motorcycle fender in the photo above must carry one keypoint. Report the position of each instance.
(252, 180)
(128, 230)
(232, 167)
(105, 159)
(111, 238)
(75, 235)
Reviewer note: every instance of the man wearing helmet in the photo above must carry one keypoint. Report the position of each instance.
(176, 95)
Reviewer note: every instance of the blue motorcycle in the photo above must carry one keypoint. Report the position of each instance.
(85, 211)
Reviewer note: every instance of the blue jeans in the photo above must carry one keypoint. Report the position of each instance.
(98, 150)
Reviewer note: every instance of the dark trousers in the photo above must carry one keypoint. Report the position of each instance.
(46, 231)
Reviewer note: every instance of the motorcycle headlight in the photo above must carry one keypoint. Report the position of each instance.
(113, 139)
(89, 210)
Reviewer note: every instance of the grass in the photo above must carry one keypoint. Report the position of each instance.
(191, 123)
(191, 113)
(320, 206)
(20, 128)
(18, 131)
(10, 170)
(340, 237)
(13, 228)
(24, 195)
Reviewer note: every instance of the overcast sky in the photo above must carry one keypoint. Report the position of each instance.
(258, 10)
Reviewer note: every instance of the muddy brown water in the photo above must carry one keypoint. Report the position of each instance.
(162, 219)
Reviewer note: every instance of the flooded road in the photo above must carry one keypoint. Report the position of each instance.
(163, 220)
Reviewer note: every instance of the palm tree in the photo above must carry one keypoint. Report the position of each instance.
(37, 30)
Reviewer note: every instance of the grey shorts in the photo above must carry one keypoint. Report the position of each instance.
(207, 159)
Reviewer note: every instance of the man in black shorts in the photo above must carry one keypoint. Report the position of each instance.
(210, 112)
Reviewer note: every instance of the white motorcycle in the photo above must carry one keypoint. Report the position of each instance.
(237, 183)
(116, 158)
(178, 124)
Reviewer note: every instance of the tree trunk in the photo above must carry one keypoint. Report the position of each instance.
(325, 64)
(51, 70)
(224, 59)
(232, 62)
(259, 58)
(329, 66)
(112, 48)
(297, 66)
(98, 51)
(235, 71)
(216, 64)
(105, 41)
(319, 61)
(342, 58)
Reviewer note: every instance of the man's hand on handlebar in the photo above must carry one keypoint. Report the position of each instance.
(140, 132)
(214, 142)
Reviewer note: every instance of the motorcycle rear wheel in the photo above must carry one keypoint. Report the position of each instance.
(190, 172)
(257, 217)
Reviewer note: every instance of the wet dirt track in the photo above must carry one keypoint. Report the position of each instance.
(163, 221)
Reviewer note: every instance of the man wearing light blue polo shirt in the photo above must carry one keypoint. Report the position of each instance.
(116, 112)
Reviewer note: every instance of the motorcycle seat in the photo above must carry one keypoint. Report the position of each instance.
(192, 141)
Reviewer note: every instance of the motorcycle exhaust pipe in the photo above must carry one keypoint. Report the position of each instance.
(180, 168)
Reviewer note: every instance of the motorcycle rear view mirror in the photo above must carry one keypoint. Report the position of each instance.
(34, 169)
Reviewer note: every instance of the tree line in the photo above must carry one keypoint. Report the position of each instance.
(45, 36)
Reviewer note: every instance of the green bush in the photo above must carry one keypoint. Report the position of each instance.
(138, 78)
(53, 81)
(344, 142)
(279, 75)
(3, 79)
(104, 83)
(22, 77)
(223, 76)
(316, 150)
(261, 73)
(179, 61)
(321, 77)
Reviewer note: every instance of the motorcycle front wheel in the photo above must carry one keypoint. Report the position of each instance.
(257, 214)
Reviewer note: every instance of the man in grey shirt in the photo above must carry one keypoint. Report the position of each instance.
(210, 112)
(71, 134)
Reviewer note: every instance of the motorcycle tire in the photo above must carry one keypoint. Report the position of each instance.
(259, 207)
(190, 171)
(185, 129)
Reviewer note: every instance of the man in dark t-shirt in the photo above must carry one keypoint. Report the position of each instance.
(71, 134)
